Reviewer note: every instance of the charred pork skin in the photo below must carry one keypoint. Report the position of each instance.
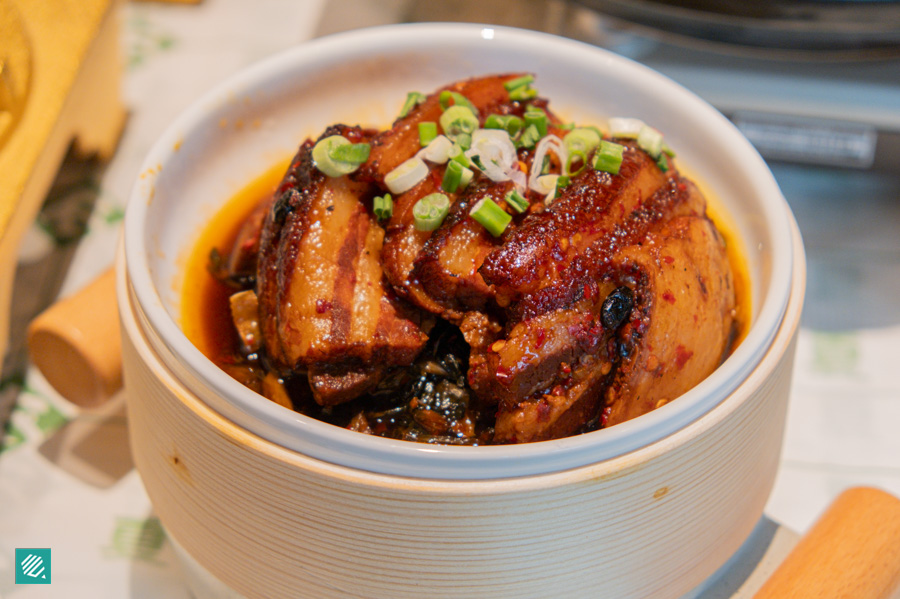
(537, 253)
(323, 305)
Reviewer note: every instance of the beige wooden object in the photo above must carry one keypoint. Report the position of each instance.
(73, 95)
(270, 522)
(852, 552)
(76, 343)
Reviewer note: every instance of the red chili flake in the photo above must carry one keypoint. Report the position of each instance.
(323, 306)
(565, 368)
(669, 297)
(668, 259)
(682, 355)
(604, 416)
(541, 338)
(543, 410)
(682, 186)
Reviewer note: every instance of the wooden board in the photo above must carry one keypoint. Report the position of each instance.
(72, 95)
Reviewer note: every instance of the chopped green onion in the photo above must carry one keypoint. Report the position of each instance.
(582, 140)
(520, 88)
(430, 211)
(663, 162)
(458, 120)
(406, 176)
(546, 184)
(383, 206)
(668, 150)
(566, 126)
(650, 140)
(458, 154)
(538, 118)
(530, 136)
(464, 140)
(506, 122)
(458, 100)
(413, 99)
(427, 132)
(518, 82)
(437, 150)
(628, 128)
(575, 157)
(336, 156)
(516, 201)
(523, 93)
(608, 157)
(562, 181)
(350, 153)
(456, 176)
(491, 216)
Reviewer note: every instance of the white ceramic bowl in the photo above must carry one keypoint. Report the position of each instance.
(197, 434)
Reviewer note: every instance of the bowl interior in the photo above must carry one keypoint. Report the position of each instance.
(260, 116)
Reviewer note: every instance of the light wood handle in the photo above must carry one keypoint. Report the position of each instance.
(852, 552)
(75, 343)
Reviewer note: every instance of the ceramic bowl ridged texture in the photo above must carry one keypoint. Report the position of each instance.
(274, 504)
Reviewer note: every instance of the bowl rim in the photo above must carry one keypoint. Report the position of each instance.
(336, 445)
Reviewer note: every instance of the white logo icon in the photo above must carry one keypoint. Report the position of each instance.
(33, 566)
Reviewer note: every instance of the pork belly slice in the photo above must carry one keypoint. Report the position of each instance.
(538, 252)
(447, 266)
(563, 411)
(401, 141)
(537, 353)
(683, 319)
(403, 243)
(324, 305)
(676, 197)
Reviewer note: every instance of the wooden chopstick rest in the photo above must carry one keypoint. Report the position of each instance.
(75, 343)
(852, 552)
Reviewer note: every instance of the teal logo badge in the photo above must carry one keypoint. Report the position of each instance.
(32, 566)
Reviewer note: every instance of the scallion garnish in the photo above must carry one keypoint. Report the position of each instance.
(650, 140)
(523, 93)
(458, 120)
(383, 206)
(530, 136)
(520, 88)
(506, 122)
(663, 162)
(413, 99)
(518, 82)
(406, 175)
(336, 156)
(516, 201)
(608, 157)
(458, 100)
(430, 211)
(458, 154)
(625, 127)
(456, 176)
(491, 216)
(538, 118)
(427, 132)
(581, 139)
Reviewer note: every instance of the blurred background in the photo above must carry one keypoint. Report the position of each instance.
(814, 84)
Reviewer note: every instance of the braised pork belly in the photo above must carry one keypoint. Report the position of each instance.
(482, 272)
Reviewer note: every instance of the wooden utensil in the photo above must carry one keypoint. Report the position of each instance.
(852, 552)
(77, 346)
